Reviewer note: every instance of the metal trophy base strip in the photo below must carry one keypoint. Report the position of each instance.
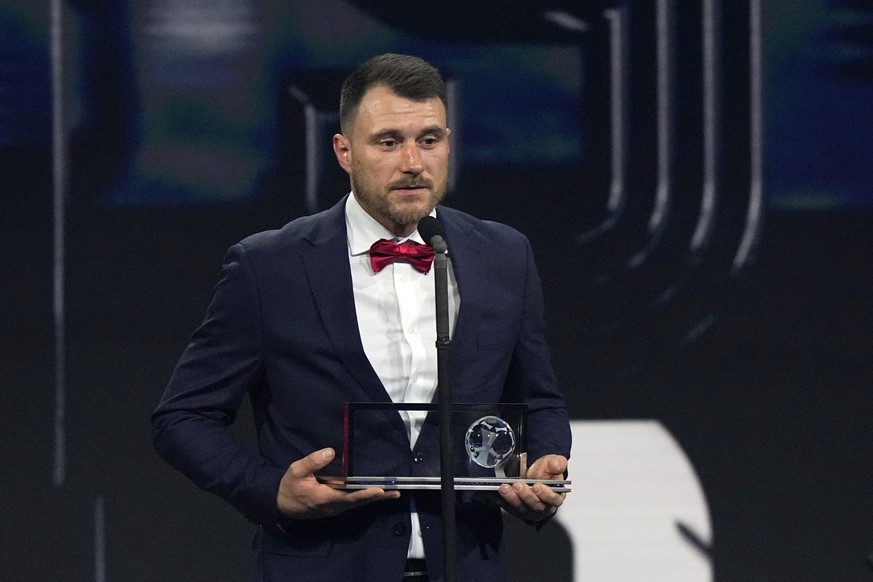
(433, 483)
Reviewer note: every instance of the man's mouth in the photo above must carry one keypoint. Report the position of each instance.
(413, 186)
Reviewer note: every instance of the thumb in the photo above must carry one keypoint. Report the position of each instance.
(312, 462)
(557, 465)
(548, 467)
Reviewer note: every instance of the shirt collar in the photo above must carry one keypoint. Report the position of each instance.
(363, 230)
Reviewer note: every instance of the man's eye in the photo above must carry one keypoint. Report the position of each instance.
(429, 141)
(388, 143)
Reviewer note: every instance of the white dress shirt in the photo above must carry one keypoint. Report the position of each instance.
(397, 321)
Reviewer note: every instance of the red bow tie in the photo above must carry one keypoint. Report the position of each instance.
(384, 252)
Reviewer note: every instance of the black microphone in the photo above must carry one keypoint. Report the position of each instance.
(431, 232)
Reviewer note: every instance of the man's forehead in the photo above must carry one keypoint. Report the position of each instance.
(381, 104)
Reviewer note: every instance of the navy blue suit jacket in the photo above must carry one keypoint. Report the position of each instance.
(281, 327)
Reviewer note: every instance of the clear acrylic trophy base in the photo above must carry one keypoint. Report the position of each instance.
(488, 448)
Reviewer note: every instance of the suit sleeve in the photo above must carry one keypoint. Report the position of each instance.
(531, 378)
(190, 427)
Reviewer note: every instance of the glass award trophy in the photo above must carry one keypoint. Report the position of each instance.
(488, 447)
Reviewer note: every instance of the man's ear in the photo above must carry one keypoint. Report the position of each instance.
(342, 150)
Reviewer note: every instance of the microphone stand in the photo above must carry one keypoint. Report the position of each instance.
(444, 392)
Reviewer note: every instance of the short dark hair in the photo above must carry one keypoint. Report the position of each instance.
(407, 76)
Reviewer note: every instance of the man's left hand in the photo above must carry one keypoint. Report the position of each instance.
(534, 503)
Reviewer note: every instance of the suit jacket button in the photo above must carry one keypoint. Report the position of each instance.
(417, 458)
(399, 529)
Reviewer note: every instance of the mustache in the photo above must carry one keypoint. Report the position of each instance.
(411, 184)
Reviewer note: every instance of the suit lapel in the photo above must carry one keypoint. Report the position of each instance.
(327, 268)
(462, 239)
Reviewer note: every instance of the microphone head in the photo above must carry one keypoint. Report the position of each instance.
(429, 227)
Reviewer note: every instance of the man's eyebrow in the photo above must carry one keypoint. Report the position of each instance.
(434, 129)
(395, 133)
(382, 133)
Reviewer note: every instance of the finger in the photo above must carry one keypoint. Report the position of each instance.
(339, 501)
(314, 500)
(370, 495)
(548, 467)
(520, 497)
(315, 461)
(514, 504)
(558, 465)
(548, 496)
(528, 497)
(509, 497)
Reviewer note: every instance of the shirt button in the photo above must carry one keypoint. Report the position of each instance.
(399, 529)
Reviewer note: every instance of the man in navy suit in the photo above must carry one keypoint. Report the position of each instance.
(305, 318)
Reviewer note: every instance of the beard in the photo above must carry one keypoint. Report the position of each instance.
(401, 212)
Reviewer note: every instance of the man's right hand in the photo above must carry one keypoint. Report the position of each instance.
(301, 496)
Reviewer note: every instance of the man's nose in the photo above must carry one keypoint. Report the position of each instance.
(412, 159)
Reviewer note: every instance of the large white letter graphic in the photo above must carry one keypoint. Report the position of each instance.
(636, 511)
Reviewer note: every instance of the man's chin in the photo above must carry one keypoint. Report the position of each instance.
(411, 213)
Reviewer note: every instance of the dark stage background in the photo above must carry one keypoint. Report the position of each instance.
(698, 191)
